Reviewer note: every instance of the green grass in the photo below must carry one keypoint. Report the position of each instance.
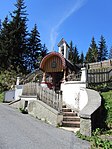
(107, 96)
(1, 97)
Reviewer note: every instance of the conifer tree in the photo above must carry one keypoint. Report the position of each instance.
(92, 54)
(44, 51)
(18, 36)
(110, 53)
(34, 49)
(75, 56)
(102, 49)
(81, 60)
(71, 49)
(89, 56)
(5, 54)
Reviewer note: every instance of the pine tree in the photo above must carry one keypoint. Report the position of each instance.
(71, 49)
(34, 49)
(102, 52)
(89, 56)
(5, 54)
(75, 56)
(18, 36)
(44, 51)
(81, 59)
(110, 53)
(92, 54)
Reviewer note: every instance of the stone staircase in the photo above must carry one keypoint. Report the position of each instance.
(70, 118)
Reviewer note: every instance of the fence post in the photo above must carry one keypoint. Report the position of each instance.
(60, 101)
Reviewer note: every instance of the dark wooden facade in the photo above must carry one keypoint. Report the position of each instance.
(57, 67)
(53, 62)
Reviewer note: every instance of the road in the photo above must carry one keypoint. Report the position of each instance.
(21, 131)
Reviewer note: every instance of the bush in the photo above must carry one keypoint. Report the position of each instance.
(107, 97)
(1, 97)
(7, 79)
(96, 141)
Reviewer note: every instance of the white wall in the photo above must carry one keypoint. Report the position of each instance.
(83, 98)
(18, 91)
(9, 96)
(73, 96)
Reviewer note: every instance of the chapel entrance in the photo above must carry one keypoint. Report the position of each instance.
(56, 66)
(53, 66)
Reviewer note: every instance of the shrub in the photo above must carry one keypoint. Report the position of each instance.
(1, 97)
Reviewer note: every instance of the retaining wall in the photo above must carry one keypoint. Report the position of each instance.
(90, 114)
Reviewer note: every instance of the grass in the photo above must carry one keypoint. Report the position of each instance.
(1, 97)
(107, 97)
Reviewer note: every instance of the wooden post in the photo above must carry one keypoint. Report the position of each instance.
(60, 102)
(44, 77)
(64, 76)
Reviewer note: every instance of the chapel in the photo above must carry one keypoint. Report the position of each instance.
(56, 66)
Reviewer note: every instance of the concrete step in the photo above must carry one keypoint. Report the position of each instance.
(71, 118)
(63, 106)
(71, 124)
(66, 110)
(69, 114)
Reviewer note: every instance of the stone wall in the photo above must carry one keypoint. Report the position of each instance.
(44, 112)
(90, 114)
(39, 110)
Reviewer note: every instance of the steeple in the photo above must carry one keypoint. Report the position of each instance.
(63, 48)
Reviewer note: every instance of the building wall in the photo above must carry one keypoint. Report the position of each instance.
(18, 91)
(74, 94)
(9, 96)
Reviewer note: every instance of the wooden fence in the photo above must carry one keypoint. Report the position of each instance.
(98, 76)
(50, 97)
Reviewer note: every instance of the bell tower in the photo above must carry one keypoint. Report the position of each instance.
(63, 48)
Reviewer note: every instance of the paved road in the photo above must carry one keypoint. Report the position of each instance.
(21, 131)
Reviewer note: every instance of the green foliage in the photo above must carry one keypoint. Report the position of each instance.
(34, 49)
(44, 51)
(1, 97)
(70, 57)
(73, 54)
(107, 96)
(23, 111)
(79, 135)
(110, 53)
(81, 59)
(7, 79)
(102, 49)
(96, 141)
(18, 48)
(92, 54)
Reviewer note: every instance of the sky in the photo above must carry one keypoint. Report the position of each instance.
(76, 20)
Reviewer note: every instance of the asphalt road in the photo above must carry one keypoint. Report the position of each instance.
(21, 131)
